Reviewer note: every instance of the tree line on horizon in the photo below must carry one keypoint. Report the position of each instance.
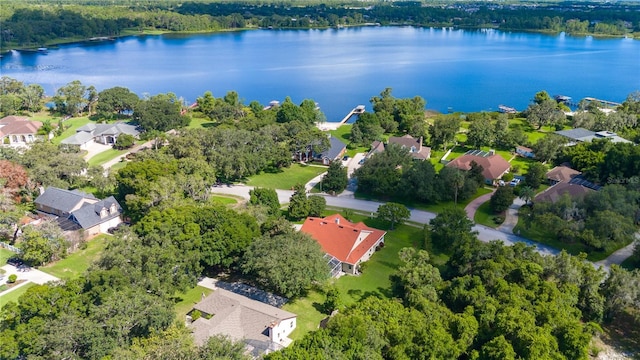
(33, 25)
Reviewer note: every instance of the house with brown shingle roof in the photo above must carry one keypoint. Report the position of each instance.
(561, 174)
(262, 327)
(19, 131)
(350, 243)
(493, 165)
(415, 147)
(417, 151)
(554, 193)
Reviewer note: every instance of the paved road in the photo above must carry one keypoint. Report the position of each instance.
(485, 234)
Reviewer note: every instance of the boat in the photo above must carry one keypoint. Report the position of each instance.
(506, 109)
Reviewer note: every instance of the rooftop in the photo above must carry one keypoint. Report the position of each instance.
(238, 317)
(493, 165)
(562, 174)
(340, 238)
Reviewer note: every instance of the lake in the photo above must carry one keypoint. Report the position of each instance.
(341, 68)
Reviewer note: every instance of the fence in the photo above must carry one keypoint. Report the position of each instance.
(10, 247)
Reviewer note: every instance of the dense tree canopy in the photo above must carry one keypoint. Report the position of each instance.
(160, 112)
(288, 263)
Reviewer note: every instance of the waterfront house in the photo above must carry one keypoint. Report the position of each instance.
(335, 151)
(578, 135)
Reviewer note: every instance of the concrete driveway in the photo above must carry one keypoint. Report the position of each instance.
(31, 275)
(95, 148)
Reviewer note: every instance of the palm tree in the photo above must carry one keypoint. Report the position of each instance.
(526, 194)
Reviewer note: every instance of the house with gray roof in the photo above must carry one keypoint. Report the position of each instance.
(335, 151)
(78, 210)
(578, 135)
(106, 134)
(263, 328)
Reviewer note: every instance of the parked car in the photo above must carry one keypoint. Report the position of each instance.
(15, 261)
(514, 182)
(345, 158)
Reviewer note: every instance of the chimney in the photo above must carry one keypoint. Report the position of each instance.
(492, 152)
(337, 220)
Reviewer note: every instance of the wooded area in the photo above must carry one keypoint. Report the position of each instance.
(40, 24)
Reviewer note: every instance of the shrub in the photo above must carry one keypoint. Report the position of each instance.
(12, 278)
(498, 220)
(195, 315)
(507, 177)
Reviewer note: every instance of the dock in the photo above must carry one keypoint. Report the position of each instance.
(603, 102)
(355, 111)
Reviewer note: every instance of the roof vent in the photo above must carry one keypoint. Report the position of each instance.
(337, 220)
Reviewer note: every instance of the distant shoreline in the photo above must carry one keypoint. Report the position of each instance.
(107, 38)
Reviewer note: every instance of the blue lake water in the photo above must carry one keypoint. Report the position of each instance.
(339, 69)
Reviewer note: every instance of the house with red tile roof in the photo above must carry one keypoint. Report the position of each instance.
(19, 131)
(350, 243)
(493, 165)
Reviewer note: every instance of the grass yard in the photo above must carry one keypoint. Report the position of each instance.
(308, 311)
(4, 255)
(521, 164)
(199, 123)
(71, 125)
(344, 134)
(374, 281)
(118, 166)
(15, 294)
(225, 200)
(185, 301)
(439, 207)
(287, 178)
(546, 237)
(376, 277)
(105, 156)
(484, 216)
(77, 263)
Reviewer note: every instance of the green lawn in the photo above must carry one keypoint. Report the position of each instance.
(105, 156)
(522, 164)
(71, 124)
(77, 263)
(374, 281)
(118, 166)
(225, 200)
(376, 278)
(4, 255)
(484, 216)
(344, 134)
(199, 123)
(14, 295)
(308, 311)
(287, 178)
(185, 301)
(437, 208)
(546, 237)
